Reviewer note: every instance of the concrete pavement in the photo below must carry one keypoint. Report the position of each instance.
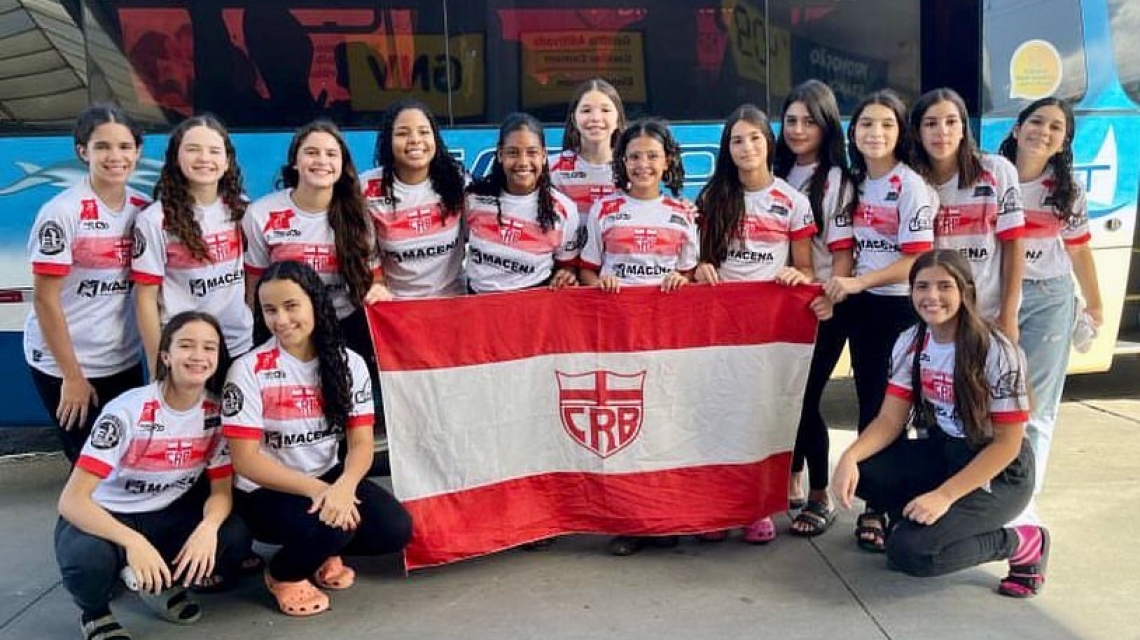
(791, 588)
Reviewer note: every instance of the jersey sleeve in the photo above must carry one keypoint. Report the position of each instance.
(256, 248)
(1005, 372)
(591, 254)
(363, 412)
(149, 262)
(801, 222)
(52, 239)
(108, 441)
(902, 365)
(917, 203)
(573, 233)
(242, 413)
(1011, 207)
(691, 244)
(838, 233)
(1076, 232)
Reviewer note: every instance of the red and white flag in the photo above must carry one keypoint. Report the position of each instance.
(516, 417)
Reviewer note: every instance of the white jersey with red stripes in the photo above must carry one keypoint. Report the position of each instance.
(774, 217)
(975, 219)
(148, 454)
(215, 286)
(838, 234)
(1046, 235)
(80, 239)
(421, 252)
(895, 216)
(276, 230)
(583, 182)
(274, 398)
(640, 241)
(1005, 374)
(509, 251)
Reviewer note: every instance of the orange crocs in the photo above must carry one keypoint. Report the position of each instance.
(299, 598)
(334, 574)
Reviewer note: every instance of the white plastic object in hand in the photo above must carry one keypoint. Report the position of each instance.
(1084, 332)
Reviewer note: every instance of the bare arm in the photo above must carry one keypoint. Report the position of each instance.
(149, 321)
(1012, 268)
(77, 393)
(801, 257)
(842, 262)
(1084, 268)
(840, 287)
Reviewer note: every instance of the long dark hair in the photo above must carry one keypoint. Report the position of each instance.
(444, 171)
(571, 137)
(347, 213)
(885, 98)
(173, 189)
(674, 177)
(1064, 192)
(969, 158)
(494, 183)
(721, 202)
(162, 370)
(327, 339)
(820, 103)
(973, 337)
(102, 113)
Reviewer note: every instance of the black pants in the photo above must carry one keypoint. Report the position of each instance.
(972, 531)
(50, 388)
(283, 518)
(90, 565)
(875, 323)
(812, 441)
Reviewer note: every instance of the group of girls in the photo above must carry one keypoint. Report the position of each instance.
(297, 410)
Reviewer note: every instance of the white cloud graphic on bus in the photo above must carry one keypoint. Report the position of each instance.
(62, 175)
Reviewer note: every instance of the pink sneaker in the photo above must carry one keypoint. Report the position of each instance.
(762, 531)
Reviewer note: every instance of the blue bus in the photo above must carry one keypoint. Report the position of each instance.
(266, 66)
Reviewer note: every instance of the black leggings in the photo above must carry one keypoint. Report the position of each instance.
(875, 323)
(972, 531)
(812, 441)
(108, 388)
(306, 542)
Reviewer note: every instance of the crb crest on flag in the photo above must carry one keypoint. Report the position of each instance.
(601, 410)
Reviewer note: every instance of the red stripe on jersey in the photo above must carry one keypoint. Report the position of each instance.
(1009, 417)
(220, 247)
(102, 252)
(805, 233)
(840, 245)
(291, 402)
(1079, 240)
(1012, 233)
(644, 241)
(884, 220)
(254, 271)
(166, 454)
(217, 473)
(1042, 224)
(50, 269)
(965, 220)
(586, 193)
(899, 392)
(145, 278)
(520, 234)
(362, 420)
(763, 229)
(565, 162)
(94, 466)
(321, 257)
(916, 247)
(139, 201)
(238, 432)
(405, 224)
(589, 265)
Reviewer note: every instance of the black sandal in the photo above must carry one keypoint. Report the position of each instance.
(871, 531)
(814, 519)
(105, 627)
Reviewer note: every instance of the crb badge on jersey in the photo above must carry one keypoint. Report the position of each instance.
(50, 238)
(232, 400)
(107, 432)
(601, 410)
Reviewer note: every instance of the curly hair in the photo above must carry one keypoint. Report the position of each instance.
(347, 212)
(890, 100)
(571, 137)
(674, 176)
(173, 188)
(721, 202)
(162, 370)
(444, 171)
(820, 103)
(1064, 192)
(327, 339)
(972, 340)
(969, 158)
(494, 183)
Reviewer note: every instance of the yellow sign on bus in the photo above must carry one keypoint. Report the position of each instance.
(556, 62)
(385, 68)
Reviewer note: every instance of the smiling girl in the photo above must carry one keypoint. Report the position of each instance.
(951, 489)
(80, 338)
(188, 244)
(594, 120)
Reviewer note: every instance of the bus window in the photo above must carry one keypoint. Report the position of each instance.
(855, 47)
(1032, 50)
(269, 64)
(1124, 19)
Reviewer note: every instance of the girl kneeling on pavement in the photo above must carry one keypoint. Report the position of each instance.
(134, 503)
(966, 470)
(287, 405)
